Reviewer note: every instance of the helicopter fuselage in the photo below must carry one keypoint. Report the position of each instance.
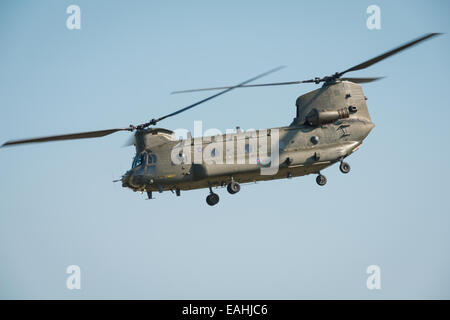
(331, 123)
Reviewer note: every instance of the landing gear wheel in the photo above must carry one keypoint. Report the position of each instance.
(344, 167)
(212, 199)
(233, 187)
(321, 180)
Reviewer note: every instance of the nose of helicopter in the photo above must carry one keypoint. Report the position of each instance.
(134, 179)
(126, 179)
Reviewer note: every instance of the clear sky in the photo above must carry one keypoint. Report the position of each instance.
(286, 239)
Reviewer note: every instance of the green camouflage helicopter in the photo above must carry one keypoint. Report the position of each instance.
(331, 123)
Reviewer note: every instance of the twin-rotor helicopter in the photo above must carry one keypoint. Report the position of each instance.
(330, 124)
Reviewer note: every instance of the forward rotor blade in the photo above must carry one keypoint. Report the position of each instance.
(70, 136)
(385, 55)
(245, 86)
(362, 80)
(102, 133)
(131, 141)
(216, 95)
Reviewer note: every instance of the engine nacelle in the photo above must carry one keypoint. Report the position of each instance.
(316, 117)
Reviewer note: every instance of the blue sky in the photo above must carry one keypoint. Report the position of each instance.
(287, 239)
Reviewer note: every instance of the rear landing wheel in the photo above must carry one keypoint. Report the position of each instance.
(233, 187)
(321, 180)
(212, 199)
(344, 167)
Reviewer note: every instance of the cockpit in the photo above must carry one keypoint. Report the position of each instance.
(144, 158)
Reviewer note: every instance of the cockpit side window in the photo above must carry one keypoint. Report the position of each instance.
(151, 158)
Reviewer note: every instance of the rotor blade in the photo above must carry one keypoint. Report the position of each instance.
(355, 80)
(131, 141)
(218, 94)
(71, 136)
(245, 86)
(362, 80)
(385, 55)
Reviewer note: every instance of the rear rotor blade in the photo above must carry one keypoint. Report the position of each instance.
(154, 121)
(70, 136)
(362, 80)
(385, 55)
(337, 75)
(244, 86)
(355, 80)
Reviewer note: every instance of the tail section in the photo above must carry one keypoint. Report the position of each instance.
(342, 99)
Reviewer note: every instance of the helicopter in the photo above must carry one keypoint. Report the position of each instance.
(331, 123)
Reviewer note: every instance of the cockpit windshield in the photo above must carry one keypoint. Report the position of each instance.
(138, 160)
(144, 158)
